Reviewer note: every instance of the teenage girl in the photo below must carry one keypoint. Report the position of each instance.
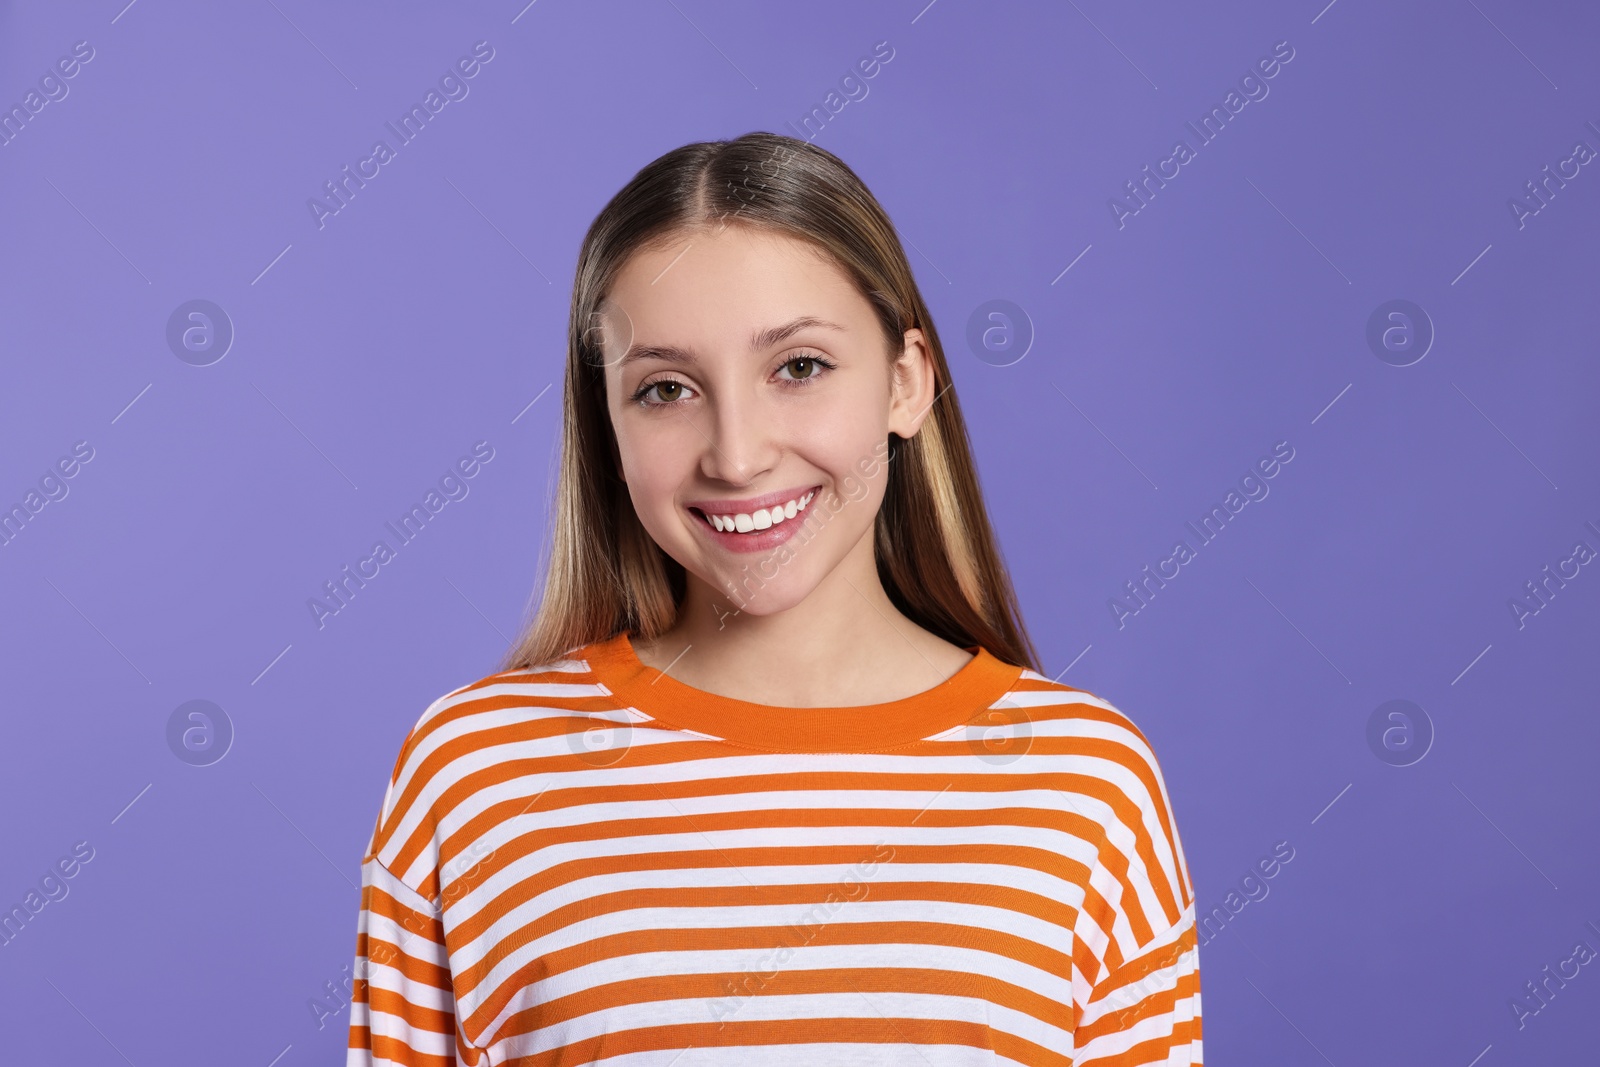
(773, 775)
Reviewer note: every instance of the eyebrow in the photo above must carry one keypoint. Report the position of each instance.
(761, 339)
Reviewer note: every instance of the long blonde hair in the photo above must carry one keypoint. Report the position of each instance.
(935, 550)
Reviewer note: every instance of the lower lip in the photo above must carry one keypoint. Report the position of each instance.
(757, 540)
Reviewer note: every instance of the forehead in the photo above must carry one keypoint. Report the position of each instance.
(710, 285)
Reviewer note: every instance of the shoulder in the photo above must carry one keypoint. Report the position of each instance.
(450, 752)
(1060, 710)
(496, 700)
(1111, 773)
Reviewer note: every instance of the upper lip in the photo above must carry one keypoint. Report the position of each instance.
(749, 504)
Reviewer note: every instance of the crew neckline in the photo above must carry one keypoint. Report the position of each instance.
(975, 687)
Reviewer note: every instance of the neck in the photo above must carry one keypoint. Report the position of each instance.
(844, 644)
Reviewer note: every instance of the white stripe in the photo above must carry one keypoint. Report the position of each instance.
(779, 918)
(757, 967)
(873, 1006)
(706, 849)
(834, 1054)
(889, 872)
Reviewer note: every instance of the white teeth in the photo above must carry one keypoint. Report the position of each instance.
(763, 518)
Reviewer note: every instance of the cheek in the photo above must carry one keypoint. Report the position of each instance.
(841, 439)
(657, 458)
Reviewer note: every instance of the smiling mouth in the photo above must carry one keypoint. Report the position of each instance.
(761, 518)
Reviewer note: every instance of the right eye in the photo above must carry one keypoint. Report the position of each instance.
(669, 391)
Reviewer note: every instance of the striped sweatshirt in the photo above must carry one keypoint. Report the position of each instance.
(591, 862)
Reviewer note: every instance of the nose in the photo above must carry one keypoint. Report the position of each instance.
(740, 438)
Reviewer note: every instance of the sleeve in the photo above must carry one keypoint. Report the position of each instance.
(1143, 1007)
(1147, 1011)
(402, 1001)
(402, 1004)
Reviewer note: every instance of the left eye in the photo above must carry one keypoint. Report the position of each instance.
(805, 367)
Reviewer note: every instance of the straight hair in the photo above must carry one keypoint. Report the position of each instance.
(935, 551)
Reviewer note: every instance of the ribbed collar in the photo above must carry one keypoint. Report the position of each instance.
(864, 728)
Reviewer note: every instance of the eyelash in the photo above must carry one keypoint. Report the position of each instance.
(791, 383)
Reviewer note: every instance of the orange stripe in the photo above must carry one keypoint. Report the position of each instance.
(495, 911)
(774, 937)
(1156, 1050)
(1066, 822)
(731, 986)
(1158, 1003)
(868, 1030)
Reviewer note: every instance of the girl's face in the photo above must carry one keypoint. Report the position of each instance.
(747, 379)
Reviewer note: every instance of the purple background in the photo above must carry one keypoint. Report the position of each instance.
(1226, 316)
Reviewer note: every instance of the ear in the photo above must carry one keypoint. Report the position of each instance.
(913, 385)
